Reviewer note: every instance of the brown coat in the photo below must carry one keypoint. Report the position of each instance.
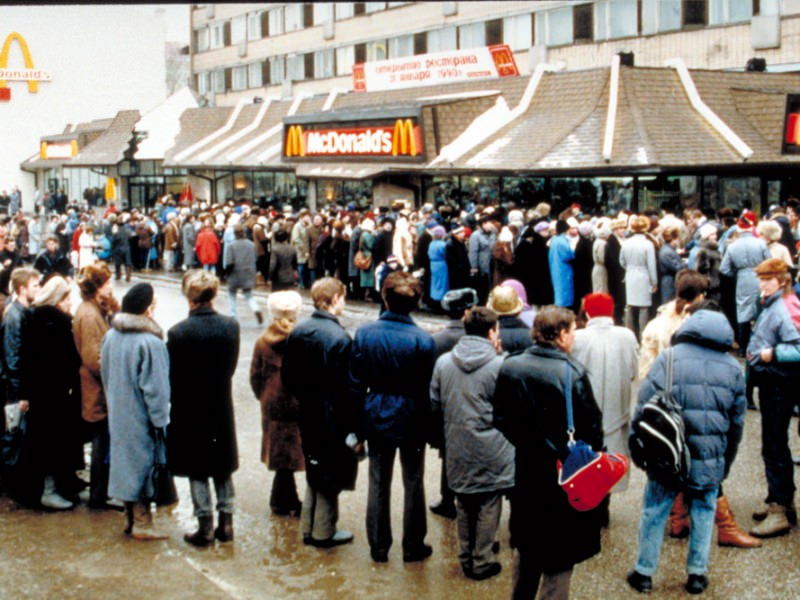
(88, 328)
(171, 235)
(281, 447)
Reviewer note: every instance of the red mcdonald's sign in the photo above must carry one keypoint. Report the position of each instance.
(403, 138)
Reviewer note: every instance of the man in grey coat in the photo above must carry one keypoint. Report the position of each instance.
(241, 268)
(135, 369)
(188, 240)
(480, 460)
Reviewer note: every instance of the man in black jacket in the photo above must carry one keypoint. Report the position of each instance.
(50, 260)
(314, 370)
(457, 258)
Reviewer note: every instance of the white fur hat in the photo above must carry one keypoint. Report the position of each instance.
(284, 305)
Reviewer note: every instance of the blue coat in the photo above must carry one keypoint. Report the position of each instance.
(773, 329)
(135, 369)
(560, 258)
(391, 364)
(669, 263)
(439, 273)
(708, 384)
(741, 257)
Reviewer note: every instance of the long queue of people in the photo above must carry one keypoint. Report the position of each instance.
(391, 387)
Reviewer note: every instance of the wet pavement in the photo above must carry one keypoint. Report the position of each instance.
(84, 554)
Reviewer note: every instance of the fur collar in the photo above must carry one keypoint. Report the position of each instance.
(128, 323)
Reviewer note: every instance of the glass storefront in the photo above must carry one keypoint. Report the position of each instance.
(344, 192)
(263, 188)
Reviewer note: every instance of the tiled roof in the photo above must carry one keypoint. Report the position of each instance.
(108, 148)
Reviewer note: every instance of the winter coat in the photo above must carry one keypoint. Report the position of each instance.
(669, 263)
(479, 459)
(481, 245)
(447, 338)
(582, 267)
(203, 352)
(708, 262)
(282, 265)
(638, 258)
(741, 258)
(314, 370)
(281, 446)
(242, 262)
(774, 326)
(188, 240)
(504, 267)
(171, 235)
(366, 243)
(560, 260)
(207, 247)
(121, 245)
(708, 385)
(17, 369)
(599, 272)
(299, 239)
(657, 335)
(529, 409)
(88, 328)
(47, 263)
(616, 273)
(611, 357)
(457, 259)
(390, 373)
(439, 275)
(54, 418)
(515, 335)
(352, 248)
(537, 280)
(135, 371)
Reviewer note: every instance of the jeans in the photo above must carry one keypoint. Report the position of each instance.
(655, 510)
(527, 576)
(776, 403)
(201, 495)
(210, 268)
(381, 465)
(248, 295)
(303, 275)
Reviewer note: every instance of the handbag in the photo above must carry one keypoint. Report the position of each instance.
(361, 261)
(586, 476)
(160, 484)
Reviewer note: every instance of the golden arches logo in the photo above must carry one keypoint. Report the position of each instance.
(33, 84)
(295, 145)
(404, 140)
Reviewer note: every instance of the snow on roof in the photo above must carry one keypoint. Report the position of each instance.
(162, 124)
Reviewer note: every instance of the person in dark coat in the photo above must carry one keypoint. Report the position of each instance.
(455, 303)
(507, 305)
(457, 258)
(422, 261)
(281, 447)
(616, 273)
(583, 264)
(314, 370)
(240, 267)
(50, 261)
(201, 440)
(54, 419)
(383, 242)
(533, 258)
(669, 263)
(282, 263)
(548, 534)
(390, 372)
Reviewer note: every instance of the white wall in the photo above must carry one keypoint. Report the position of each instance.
(102, 59)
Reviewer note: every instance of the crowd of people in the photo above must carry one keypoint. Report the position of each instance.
(541, 307)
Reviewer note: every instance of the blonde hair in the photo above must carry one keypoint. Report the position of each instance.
(199, 287)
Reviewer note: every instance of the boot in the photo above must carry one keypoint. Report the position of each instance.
(204, 536)
(128, 270)
(679, 523)
(51, 498)
(129, 517)
(761, 513)
(224, 531)
(728, 532)
(143, 528)
(776, 522)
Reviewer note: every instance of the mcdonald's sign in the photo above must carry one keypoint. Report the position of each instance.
(30, 74)
(400, 138)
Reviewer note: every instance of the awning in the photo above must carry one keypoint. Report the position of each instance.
(340, 171)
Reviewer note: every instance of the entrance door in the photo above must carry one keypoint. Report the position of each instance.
(144, 195)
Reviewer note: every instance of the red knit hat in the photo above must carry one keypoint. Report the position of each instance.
(747, 220)
(598, 305)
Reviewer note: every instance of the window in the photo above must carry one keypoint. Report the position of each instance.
(360, 53)
(396, 4)
(440, 40)
(254, 26)
(344, 10)
(218, 81)
(201, 39)
(293, 14)
(296, 67)
(766, 7)
(376, 51)
(694, 13)
(494, 32)
(582, 23)
(401, 46)
(345, 58)
(371, 7)
(615, 19)
(238, 29)
(277, 72)
(472, 35)
(323, 11)
(203, 82)
(308, 66)
(255, 75)
(555, 27)
(239, 78)
(420, 43)
(729, 11)
(518, 32)
(276, 21)
(217, 35)
(669, 15)
(359, 8)
(324, 64)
